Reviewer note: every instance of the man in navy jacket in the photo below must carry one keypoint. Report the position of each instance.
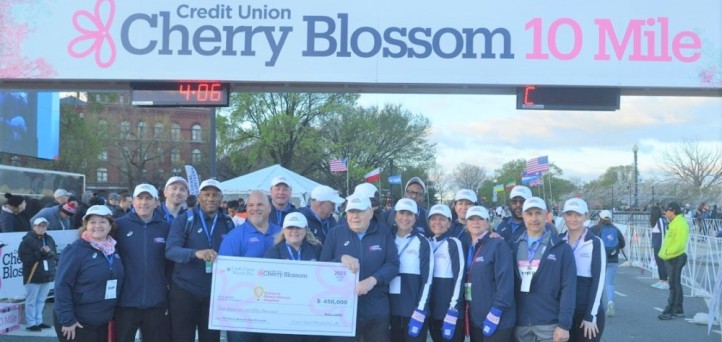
(546, 279)
(319, 213)
(141, 244)
(364, 247)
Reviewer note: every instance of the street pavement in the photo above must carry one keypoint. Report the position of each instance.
(637, 307)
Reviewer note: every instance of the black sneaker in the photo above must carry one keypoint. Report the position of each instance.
(33, 328)
(43, 326)
(665, 317)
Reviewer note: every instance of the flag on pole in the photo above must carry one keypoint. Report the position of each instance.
(395, 179)
(373, 175)
(498, 188)
(528, 178)
(193, 180)
(538, 164)
(510, 185)
(537, 182)
(493, 197)
(339, 165)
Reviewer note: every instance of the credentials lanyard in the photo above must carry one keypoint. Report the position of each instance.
(534, 247)
(205, 228)
(43, 242)
(168, 217)
(471, 257)
(290, 253)
(439, 243)
(576, 244)
(463, 229)
(110, 260)
(407, 245)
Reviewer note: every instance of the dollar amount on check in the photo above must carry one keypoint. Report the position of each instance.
(283, 297)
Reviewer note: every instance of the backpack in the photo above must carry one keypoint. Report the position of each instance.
(610, 236)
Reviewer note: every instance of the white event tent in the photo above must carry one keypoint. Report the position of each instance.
(241, 186)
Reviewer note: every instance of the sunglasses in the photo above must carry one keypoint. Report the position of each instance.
(517, 201)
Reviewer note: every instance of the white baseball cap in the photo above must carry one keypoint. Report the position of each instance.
(176, 179)
(534, 202)
(366, 189)
(61, 193)
(325, 193)
(358, 202)
(210, 182)
(406, 204)
(39, 221)
(440, 209)
(295, 219)
(477, 210)
(577, 205)
(145, 187)
(416, 180)
(465, 194)
(605, 214)
(520, 191)
(98, 210)
(278, 180)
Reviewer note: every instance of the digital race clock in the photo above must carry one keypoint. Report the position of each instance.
(567, 98)
(180, 94)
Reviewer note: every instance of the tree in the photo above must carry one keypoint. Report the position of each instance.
(693, 164)
(440, 182)
(469, 176)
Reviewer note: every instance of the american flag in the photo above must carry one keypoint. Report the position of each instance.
(539, 164)
(338, 165)
(537, 182)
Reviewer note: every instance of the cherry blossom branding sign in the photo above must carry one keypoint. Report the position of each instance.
(610, 43)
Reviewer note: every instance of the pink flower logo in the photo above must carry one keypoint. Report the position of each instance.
(96, 39)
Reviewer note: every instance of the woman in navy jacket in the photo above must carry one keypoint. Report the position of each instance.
(490, 282)
(296, 241)
(88, 280)
(591, 259)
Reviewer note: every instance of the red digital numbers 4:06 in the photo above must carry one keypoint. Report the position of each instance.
(201, 92)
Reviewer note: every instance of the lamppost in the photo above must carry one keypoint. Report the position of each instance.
(636, 175)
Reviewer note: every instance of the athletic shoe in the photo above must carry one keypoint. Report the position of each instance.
(665, 317)
(33, 328)
(44, 326)
(610, 309)
(663, 286)
(657, 284)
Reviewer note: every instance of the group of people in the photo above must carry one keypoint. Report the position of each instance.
(438, 273)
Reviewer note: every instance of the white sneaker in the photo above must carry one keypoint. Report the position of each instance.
(663, 286)
(657, 284)
(610, 309)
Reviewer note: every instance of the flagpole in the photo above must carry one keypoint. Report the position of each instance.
(348, 169)
(551, 197)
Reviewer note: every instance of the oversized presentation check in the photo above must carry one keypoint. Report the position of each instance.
(283, 297)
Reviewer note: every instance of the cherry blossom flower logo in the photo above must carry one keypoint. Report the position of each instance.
(95, 39)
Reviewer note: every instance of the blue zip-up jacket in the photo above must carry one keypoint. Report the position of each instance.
(55, 222)
(411, 289)
(378, 257)
(318, 227)
(552, 293)
(142, 247)
(591, 260)
(308, 252)
(447, 285)
(491, 275)
(163, 213)
(189, 272)
(80, 282)
(276, 216)
(510, 231)
(247, 241)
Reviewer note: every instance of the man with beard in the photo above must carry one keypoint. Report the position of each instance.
(512, 227)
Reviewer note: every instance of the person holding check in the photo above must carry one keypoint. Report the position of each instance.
(366, 248)
(296, 241)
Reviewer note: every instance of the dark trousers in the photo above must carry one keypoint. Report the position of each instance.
(400, 330)
(676, 292)
(435, 326)
(189, 312)
(154, 324)
(239, 336)
(88, 333)
(661, 264)
(369, 330)
(576, 334)
(500, 335)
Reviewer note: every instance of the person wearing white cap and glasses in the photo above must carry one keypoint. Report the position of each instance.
(192, 244)
(38, 253)
(143, 302)
(366, 248)
(175, 195)
(546, 279)
(409, 292)
(415, 190)
(281, 205)
(88, 280)
(591, 262)
(446, 323)
(614, 242)
(512, 227)
(319, 213)
(489, 287)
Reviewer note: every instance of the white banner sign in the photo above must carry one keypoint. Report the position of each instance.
(645, 43)
(9, 318)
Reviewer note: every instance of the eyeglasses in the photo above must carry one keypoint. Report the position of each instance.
(517, 201)
(414, 193)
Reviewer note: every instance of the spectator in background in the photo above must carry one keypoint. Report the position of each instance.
(58, 216)
(674, 253)
(319, 213)
(113, 201)
(61, 197)
(232, 207)
(38, 253)
(659, 224)
(12, 218)
(86, 201)
(614, 242)
(123, 206)
(280, 200)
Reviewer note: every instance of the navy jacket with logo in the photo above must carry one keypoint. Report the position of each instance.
(80, 282)
(378, 257)
(491, 275)
(510, 231)
(142, 247)
(276, 216)
(415, 275)
(189, 272)
(552, 293)
(319, 227)
(308, 251)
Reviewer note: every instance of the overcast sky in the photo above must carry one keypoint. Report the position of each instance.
(488, 131)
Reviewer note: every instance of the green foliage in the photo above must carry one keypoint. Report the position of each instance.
(80, 143)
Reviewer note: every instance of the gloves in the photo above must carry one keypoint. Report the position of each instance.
(416, 322)
(491, 321)
(449, 326)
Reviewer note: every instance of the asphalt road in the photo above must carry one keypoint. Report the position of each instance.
(637, 306)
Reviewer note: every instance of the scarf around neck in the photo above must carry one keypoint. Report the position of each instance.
(107, 246)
